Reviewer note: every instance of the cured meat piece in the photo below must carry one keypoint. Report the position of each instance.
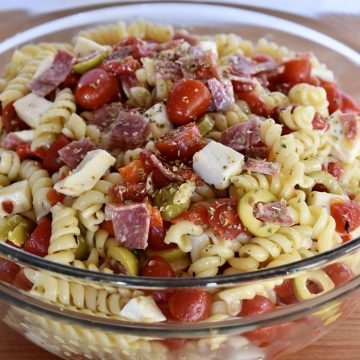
(222, 93)
(131, 224)
(75, 152)
(168, 70)
(262, 166)
(52, 77)
(349, 125)
(241, 136)
(239, 65)
(106, 115)
(191, 39)
(130, 46)
(129, 131)
(275, 212)
(11, 141)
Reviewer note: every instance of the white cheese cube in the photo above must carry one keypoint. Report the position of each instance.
(84, 46)
(324, 199)
(216, 163)
(323, 74)
(30, 108)
(142, 308)
(158, 120)
(198, 244)
(210, 46)
(19, 195)
(344, 149)
(44, 65)
(86, 174)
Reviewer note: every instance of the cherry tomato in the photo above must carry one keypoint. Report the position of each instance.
(54, 197)
(285, 293)
(190, 305)
(71, 81)
(95, 89)
(22, 282)
(333, 95)
(10, 119)
(346, 215)
(320, 123)
(52, 162)
(339, 273)
(258, 305)
(181, 143)
(296, 71)
(224, 219)
(188, 99)
(157, 267)
(348, 103)
(197, 214)
(8, 270)
(39, 241)
(256, 105)
(24, 151)
(126, 67)
(335, 169)
(107, 225)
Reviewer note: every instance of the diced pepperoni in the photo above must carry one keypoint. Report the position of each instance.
(222, 93)
(51, 78)
(131, 224)
(275, 212)
(106, 115)
(239, 65)
(241, 136)
(168, 70)
(262, 166)
(350, 125)
(75, 152)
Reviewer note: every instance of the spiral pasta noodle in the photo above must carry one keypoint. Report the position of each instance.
(298, 118)
(227, 44)
(9, 164)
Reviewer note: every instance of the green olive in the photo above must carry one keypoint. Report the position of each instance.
(245, 210)
(164, 200)
(126, 258)
(16, 229)
(88, 63)
(326, 179)
(206, 124)
(82, 252)
(169, 255)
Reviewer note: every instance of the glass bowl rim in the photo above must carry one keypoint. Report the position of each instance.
(150, 282)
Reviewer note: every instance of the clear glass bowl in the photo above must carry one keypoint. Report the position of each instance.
(71, 330)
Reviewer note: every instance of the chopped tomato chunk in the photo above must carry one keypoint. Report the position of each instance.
(133, 172)
(197, 213)
(39, 241)
(335, 169)
(346, 215)
(10, 119)
(52, 162)
(8, 270)
(285, 293)
(54, 197)
(256, 104)
(258, 305)
(157, 267)
(339, 273)
(107, 225)
(296, 71)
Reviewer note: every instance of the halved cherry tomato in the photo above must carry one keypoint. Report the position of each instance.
(197, 213)
(10, 119)
(24, 151)
(134, 172)
(285, 293)
(320, 123)
(335, 169)
(54, 197)
(107, 225)
(181, 143)
(22, 282)
(339, 273)
(256, 104)
(296, 71)
(190, 305)
(224, 219)
(348, 103)
(188, 99)
(157, 267)
(258, 305)
(96, 88)
(52, 162)
(127, 191)
(8, 270)
(126, 67)
(346, 215)
(71, 81)
(39, 241)
(333, 95)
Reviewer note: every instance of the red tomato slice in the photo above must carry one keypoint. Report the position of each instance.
(256, 105)
(285, 293)
(296, 71)
(134, 172)
(107, 225)
(96, 88)
(10, 119)
(8, 270)
(188, 99)
(224, 219)
(335, 169)
(39, 241)
(339, 273)
(71, 81)
(333, 95)
(346, 215)
(22, 282)
(52, 162)
(348, 103)
(157, 267)
(197, 213)
(190, 305)
(54, 197)
(320, 123)
(125, 67)
(24, 151)
(258, 305)
(181, 143)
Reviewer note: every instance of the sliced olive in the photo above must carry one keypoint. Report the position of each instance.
(326, 179)
(169, 255)
(82, 252)
(164, 200)
(206, 124)
(16, 229)
(88, 63)
(245, 211)
(126, 258)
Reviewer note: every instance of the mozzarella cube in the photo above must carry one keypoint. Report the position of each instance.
(217, 163)
(198, 244)
(324, 199)
(142, 308)
(84, 46)
(19, 195)
(30, 108)
(86, 174)
(158, 120)
(44, 65)
(210, 46)
(344, 149)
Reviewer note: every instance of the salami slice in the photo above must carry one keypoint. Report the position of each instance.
(222, 93)
(262, 166)
(106, 115)
(275, 212)
(239, 65)
(75, 152)
(11, 141)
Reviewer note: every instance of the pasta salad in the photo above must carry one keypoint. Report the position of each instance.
(146, 151)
